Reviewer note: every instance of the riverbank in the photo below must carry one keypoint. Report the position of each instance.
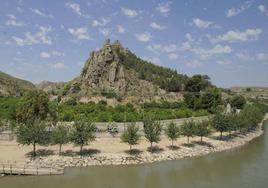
(111, 151)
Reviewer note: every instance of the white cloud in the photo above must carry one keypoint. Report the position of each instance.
(173, 56)
(224, 62)
(40, 13)
(154, 60)
(235, 11)
(189, 37)
(57, 53)
(45, 55)
(236, 35)
(105, 32)
(202, 23)
(131, 13)
(244, 56)
(60, 66)
(76, 9)
(157, 26)
(100, 23)
(40, 37)
(144, 37)
(12, 16)
(164, 8)
(263, 9)
(205, 54)
(12, 21)
(194, 64)
(262, 56)
(159, 48)
(121, 29)
(79, 33)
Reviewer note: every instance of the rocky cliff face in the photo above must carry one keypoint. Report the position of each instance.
(103, 70)
(104, 77)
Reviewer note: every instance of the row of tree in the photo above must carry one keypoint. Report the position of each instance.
(36, 131)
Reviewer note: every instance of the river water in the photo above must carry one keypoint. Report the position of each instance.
(244, 167)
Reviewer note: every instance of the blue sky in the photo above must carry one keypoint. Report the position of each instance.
(50, 40)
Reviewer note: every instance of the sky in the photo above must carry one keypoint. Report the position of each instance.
(51, 40)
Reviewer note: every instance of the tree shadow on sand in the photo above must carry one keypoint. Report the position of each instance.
(155, 149)
(203, 143)
(134, 152)
(190, 145)
(40, 153)
(85, 152)
(173, 147)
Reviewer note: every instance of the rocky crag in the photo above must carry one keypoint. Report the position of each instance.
(105, 77)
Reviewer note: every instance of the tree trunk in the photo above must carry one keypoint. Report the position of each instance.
(188, 139)
(34, 153)
(130, 147)
(81, 149)
(172, 145)
(151, 146)
(60, 149)
(201, 139)
(221, 136)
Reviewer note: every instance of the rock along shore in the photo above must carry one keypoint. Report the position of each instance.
(123, 158)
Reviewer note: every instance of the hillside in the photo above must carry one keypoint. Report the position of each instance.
(117, 75)
(11, 86)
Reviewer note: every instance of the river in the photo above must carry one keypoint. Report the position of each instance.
(244, 167)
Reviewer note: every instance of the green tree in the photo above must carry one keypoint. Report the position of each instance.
(60, 136)
(33, 132)
(152, 130)
(220, 123)
(202, 129)
(238, 101)
(34, 105)
(188, 129)
(131, 135)
(173, 132)
(82, 134)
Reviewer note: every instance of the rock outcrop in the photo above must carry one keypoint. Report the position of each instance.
(104, 77)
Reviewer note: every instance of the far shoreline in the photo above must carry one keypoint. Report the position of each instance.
(183, 151)
(117, 152)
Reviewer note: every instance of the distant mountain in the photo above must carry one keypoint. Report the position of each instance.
(251, 92)
(11, 86)
(52, 88)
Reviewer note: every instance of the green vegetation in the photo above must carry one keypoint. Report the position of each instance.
(60, 136)
(238, 101)
(33, 132)
(245, 121)
(34, 104)
(173, 132)
(202, 129)
(131, 135)
(165, 78)
(82, 133)
(188, 129)
(152, 130)
(8, 106)
(20, 109)
(208, 100)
